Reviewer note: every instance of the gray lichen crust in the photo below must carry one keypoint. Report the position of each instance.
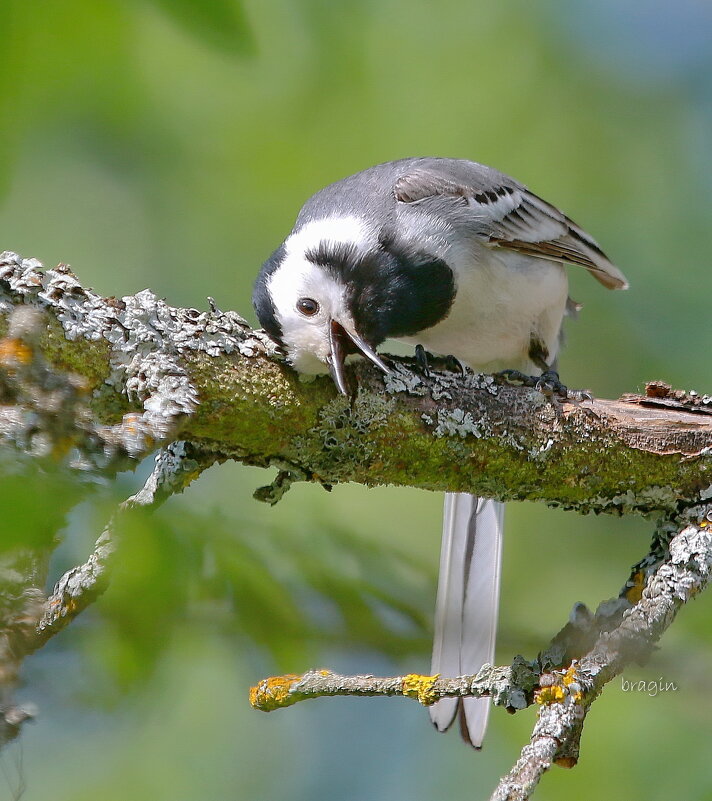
(147, 338)
(157, 373)
(89, 384)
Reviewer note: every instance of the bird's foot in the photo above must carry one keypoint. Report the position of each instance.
(516, 378)
(422, 360)
(425, 361)
(548, 383)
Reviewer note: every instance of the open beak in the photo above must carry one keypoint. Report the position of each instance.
(342, 342)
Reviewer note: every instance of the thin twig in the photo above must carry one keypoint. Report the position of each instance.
(175, 467)
(555, 738)
(627, 630)
(509, 686)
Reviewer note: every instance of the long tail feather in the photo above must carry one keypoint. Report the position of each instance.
(467, 604)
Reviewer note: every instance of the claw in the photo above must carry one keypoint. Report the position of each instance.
(550, 384)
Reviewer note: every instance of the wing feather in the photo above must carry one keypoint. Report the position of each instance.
(505, 214)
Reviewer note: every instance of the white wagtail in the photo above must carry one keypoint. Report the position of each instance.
(457, 258)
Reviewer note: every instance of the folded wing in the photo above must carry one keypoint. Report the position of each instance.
(503, 213)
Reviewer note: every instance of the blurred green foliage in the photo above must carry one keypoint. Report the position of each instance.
(285, 590)
(170, 145)
(25, 522)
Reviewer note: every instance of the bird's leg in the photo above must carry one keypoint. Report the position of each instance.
(454, 365)
(422, 360)
(516, 378)
(549, 383)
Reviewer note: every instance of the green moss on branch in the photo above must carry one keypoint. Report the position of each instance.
(206, 376)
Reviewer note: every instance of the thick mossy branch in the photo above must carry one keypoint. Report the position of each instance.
(207, 377)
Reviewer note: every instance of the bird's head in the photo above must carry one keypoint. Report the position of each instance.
(329, 292)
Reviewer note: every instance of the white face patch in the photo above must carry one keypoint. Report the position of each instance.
(306, 338)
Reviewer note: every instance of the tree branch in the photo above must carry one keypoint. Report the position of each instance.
(508, 685)
(91, 385)
(567, 699)
(28, 619)
(208, 378)
(619, 634)
(176, 466)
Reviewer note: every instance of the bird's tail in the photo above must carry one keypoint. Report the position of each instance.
(466, 606)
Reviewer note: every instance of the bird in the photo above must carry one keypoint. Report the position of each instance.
(459, 260)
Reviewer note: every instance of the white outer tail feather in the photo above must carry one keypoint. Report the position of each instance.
(467, 604)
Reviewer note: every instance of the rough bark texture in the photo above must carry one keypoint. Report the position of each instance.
(89, 385)
(207, 377)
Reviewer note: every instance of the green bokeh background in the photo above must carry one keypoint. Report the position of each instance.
(169, 144)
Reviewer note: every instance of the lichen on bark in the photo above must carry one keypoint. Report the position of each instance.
(91, 385)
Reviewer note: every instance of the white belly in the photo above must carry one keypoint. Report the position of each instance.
(503, 299)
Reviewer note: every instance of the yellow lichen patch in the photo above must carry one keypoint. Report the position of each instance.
(14, 352)
(421, 687)
(549, 695)
(559, 686)
(272, 693)
(570, 675)
(637, 584)
(571, 682)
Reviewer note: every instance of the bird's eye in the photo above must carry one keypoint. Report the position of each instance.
(307, 306)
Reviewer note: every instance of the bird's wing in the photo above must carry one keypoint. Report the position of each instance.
(503, 213)
(466, 607)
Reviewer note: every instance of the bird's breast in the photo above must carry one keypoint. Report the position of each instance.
(503, 299)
